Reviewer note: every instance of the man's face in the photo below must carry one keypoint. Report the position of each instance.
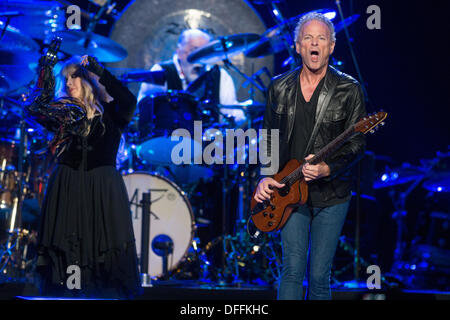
(183, 51)
(314, 45)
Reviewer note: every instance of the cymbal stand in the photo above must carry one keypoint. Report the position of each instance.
(400, 213)
(352, 52)
(93, 23)
(244, 185)
(15, 220)
(229, 65)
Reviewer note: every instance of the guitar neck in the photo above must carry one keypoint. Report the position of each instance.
(330, 148)
(323, 154)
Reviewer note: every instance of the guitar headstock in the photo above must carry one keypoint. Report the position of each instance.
(370, 122)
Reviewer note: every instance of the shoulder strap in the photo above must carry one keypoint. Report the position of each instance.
(319, 119)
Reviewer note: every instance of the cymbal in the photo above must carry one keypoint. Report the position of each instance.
(223, 48)
(438, 182)
(15, 39)
(37, 19)
(274, 39)
(14, 77)
(77, 42)
(399, 176)
(139, 75)
(17, 53)
(15, 71)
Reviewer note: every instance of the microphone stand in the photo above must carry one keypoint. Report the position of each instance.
(355, 61)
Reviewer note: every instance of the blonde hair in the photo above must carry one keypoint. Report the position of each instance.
(91, 92)
(314, 16)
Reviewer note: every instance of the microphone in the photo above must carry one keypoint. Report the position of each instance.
(51, 55)
(48, 60)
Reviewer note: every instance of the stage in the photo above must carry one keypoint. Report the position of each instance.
(190, 216)
(188, 291)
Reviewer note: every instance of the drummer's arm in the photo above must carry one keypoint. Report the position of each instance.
(227, 89)
(149, 88)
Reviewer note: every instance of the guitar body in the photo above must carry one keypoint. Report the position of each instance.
(282, 203)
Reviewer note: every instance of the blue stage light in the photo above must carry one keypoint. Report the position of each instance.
(330, 15)
(276, 13)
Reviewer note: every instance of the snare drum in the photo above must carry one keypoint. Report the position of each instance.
(171, 220)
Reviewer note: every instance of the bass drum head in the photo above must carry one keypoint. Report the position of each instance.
(171, 219)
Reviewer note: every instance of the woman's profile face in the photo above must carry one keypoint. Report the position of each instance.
(73, 85)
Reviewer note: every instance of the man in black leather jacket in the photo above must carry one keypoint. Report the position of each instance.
(311, 106)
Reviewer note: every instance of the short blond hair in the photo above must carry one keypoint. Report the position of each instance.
(314, 16)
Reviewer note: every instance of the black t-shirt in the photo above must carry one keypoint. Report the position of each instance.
(305, 119)
(305, 116)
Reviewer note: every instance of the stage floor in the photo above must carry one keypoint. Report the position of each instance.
(185, 290)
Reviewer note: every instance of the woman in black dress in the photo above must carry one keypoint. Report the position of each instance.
(85, 220)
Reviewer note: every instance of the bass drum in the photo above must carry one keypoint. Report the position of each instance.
(171, 219)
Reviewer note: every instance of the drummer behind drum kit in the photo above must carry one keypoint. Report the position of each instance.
(173, 222)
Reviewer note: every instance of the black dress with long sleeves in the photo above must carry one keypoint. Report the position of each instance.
(85, 218)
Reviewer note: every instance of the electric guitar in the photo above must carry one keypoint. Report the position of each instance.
(271, 215)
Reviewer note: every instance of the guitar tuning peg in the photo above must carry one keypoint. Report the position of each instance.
(372, 131)
(382, 123)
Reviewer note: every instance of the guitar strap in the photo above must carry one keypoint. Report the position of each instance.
(319, 119)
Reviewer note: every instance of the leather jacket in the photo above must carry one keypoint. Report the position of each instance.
(345, 108)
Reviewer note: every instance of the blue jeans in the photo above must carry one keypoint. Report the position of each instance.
(322, 226)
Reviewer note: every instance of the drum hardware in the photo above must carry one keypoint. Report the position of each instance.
(173, 110)
(154, 77)
(17, 53)
(172, 233)
(87, 42)
(16, 258)
(224, 48)
(39, 19)
(399, 215)
(15, 187)
(348, 248)
(146, 202)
